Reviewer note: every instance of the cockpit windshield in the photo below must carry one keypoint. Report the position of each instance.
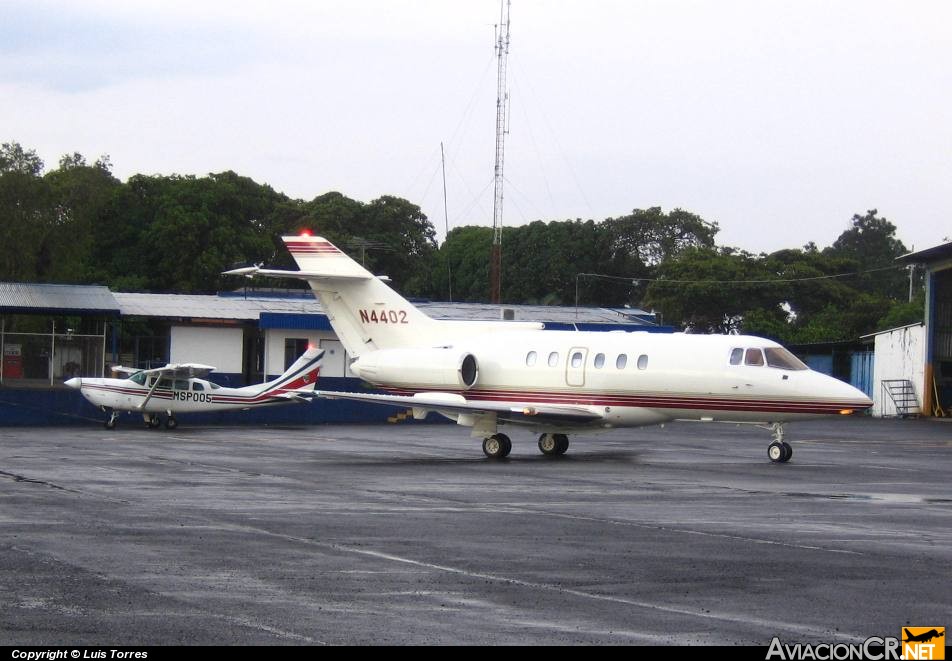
(138, 377)
(782, 359)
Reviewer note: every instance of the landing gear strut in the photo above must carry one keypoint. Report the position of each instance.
(497, 446)
(553, 445)
(779, 451)
(111, 420)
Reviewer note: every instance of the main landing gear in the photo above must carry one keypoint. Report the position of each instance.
(498, 446)
(779, 451)
(111, 420)
(153, 421)
(553, 445)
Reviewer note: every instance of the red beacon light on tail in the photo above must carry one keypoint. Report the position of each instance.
(305, 233)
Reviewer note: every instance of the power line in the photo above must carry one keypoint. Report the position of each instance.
(634, 280)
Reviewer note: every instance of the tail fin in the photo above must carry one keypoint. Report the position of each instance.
(301, 376)
(365, 313)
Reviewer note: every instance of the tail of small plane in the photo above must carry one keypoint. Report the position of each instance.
(300, 377)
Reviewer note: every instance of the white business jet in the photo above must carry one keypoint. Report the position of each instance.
(182, 388)
(486, 375)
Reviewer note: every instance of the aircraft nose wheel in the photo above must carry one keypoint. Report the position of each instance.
(553, 445)
(780, 452)
(497, 446)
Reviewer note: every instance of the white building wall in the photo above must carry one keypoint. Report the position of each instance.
(332, 365)
(219, 347)
(900, 354)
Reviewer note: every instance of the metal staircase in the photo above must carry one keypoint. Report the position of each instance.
(903, 397)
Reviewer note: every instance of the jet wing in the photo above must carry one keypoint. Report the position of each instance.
(445, 402)
(252, 271)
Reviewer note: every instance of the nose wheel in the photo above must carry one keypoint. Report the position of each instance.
(497, 446)
(779, 451)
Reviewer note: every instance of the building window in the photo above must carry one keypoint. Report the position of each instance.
(293, 348)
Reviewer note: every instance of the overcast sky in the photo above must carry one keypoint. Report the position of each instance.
(778, 120)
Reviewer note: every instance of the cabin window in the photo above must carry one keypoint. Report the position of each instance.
(554, 359)
(181, 384)
(531, 358)
(621, 361)
(754, 357)
(737, 356)
(783, 359)
(198, 387)
(138, 377)
(599, 360)
(643, 361)
(214, 386)
(577, 359)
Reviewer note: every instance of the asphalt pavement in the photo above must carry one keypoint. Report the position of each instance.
(407, 534)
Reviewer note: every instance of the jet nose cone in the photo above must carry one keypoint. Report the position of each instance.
(75, 382)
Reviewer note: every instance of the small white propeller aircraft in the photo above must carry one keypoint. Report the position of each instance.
(488, 374)
(182, 388)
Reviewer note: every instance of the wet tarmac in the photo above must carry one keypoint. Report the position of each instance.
(407, 534)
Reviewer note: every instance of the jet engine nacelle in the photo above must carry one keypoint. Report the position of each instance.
(428, 368)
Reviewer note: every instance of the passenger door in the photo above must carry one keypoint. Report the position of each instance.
(575, 366)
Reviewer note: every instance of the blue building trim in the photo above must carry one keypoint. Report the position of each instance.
(294, 321)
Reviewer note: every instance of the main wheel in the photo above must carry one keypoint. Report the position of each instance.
(171, 423)
(562, 443)
(154, 421)
(497, 446)
(776, 452)
(548, 445)
(111, 422)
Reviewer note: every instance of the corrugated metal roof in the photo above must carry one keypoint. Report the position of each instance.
(251, 307)
(34, 298)
(176, 306)
(929, 255)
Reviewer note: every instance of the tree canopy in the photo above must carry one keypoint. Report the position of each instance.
(172, 233)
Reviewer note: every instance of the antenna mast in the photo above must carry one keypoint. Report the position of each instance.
(502, 98)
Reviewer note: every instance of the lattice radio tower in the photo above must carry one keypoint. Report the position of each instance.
(502, 101)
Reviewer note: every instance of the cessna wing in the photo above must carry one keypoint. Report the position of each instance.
(182, 370)
(445, 402)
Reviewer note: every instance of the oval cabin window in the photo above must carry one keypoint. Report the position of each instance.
(530, 359)
(621, 361)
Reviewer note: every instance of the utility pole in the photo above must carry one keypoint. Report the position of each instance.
(446, 224)
(502, 98)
